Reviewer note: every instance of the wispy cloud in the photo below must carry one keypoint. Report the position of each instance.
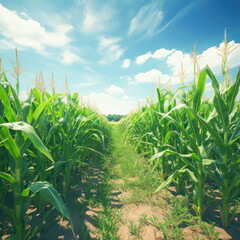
(68, 57)
(24, 31)
(146, 21)
(110, 49)
(96, 18)
(180, 14)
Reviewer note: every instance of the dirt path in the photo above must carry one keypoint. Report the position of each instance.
(133, 212)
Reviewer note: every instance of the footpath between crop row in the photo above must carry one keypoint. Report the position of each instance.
(123, 206)
(112, 198)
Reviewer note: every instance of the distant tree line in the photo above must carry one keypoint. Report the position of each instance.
(114, 117)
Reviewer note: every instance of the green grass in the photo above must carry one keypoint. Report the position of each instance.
(138, 178)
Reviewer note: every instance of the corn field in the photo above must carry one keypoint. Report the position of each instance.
(193, 142)
(44, 140)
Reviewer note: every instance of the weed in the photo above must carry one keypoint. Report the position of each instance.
(134, 229)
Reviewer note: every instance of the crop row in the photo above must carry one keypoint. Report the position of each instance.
(43, 141)
(193, 141)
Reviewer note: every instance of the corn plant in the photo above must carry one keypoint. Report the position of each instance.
(18, 168)
(196, 138)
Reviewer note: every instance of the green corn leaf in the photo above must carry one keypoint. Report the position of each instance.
(178, 125)
(50, 194)
(31, 134)
(234, 183)
(41, 107)
(194, 127)
(169, 152)
(233, 92)
(199, 90)
(10, 114)
(209, 128)
(207, 162)
(174, 175)
(7, 177)
(215, 83)
(222, 110)
(17, 102)
(9, 143)
(218, 102)
(236, 133)
(9, 211)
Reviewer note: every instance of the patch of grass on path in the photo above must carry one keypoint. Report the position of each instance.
(137, 176)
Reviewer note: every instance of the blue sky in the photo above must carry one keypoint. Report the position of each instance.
(114, 52)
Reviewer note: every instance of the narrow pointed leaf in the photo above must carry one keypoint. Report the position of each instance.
(50, 194)
(31, 134)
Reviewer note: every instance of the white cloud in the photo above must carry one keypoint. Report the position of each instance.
(126, 63)
(174, 62)
(234, 57)
(208, 56)
(158, 54)
(175, 58)
(96, 18)
(208, 87)
(143, 58)
(146, 21)
(23, 95)
(129, 79)
(152, 76)
(29, 33)
(115, 91)
(7, 45)
(126, 97)
(69, 57)
(106, 42)
(214, 61)
(162, 53)
(109, 49)
(108, 104)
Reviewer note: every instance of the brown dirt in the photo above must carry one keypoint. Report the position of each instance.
(58, 228)
(133, 212)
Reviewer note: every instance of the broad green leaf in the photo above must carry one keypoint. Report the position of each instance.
(17, 102)
(31, 134)
(174, 175)
(215, 83)
(207, 162)
(209, 128)
(41, 107)
(25, 192)
(199, 90)
(194, 127)
(219, 104)
(10, 144)
(233, 92)
(236, 133)
(9, 211)
(180, 126)
(222, 110)
(10, 114)
(169, 152)
(7, 177)
(50, 194)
